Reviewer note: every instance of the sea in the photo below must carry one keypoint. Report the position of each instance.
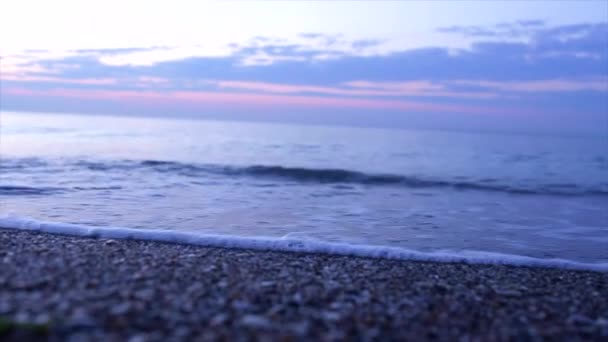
(413, 192)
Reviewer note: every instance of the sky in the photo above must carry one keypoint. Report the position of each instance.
(534, 66)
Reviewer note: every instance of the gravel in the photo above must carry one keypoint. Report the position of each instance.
(67, 288)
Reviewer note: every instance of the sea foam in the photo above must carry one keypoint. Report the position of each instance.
(288, 244)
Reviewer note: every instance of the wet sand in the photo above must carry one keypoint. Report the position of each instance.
(56, 287)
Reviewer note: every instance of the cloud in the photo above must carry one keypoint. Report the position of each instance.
(516, 29)
(549, 53)
(475, 31)
(354, 89)
(310, 48)
(59, 80)
(562, 68)
(365, 43)
(586, 40)
(118, 51)
(597, 85)
(311, 35)
(155, 56)
(247, 100)
(531, 23)
(582, 41)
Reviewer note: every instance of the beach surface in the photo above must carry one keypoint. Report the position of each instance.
(55, 287)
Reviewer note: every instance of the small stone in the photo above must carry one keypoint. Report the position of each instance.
(297, 298)
(578, 319)
(255, 321)
(22, 317)
(42, 319)
(5, 308)
(119, 261)
(507, 292)
(240, 305)
(182, 332)
(138, 276)
(275, 310)
(300, 328)
(144, 294)
(210, 268)
(78, 336)
(80, 319)
(267, 283)
(602, 322)
(195, 288)
(218, 319)
(330, 316)
(120, 309)
(137, 338)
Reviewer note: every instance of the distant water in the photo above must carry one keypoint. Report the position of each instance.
(537, 196)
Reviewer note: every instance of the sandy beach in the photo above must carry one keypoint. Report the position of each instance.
(56, 287)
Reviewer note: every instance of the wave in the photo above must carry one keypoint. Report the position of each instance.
(17, 190)
(287, 244)
(321, 176)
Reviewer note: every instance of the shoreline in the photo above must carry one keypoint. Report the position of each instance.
(56, 287)
(264, 244)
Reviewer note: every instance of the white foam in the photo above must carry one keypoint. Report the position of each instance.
(290, 245)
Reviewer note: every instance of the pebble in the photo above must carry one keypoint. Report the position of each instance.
(92, 289)
(578, 319)
(145, 294)
(137, 338)
(120, 309)
(81, 319)
(508, 292)
(254, 321)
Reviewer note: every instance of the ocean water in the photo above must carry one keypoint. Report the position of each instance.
(544, 197)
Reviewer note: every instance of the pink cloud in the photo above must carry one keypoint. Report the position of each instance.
(408, 86)
(556, 85)
(356, 88)
(420, 88)
(247, 100)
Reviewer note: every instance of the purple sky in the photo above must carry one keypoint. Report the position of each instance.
(502, 66)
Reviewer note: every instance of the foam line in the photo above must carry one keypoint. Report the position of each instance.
(291, 245)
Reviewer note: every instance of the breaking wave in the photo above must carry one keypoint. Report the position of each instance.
(303, 175)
